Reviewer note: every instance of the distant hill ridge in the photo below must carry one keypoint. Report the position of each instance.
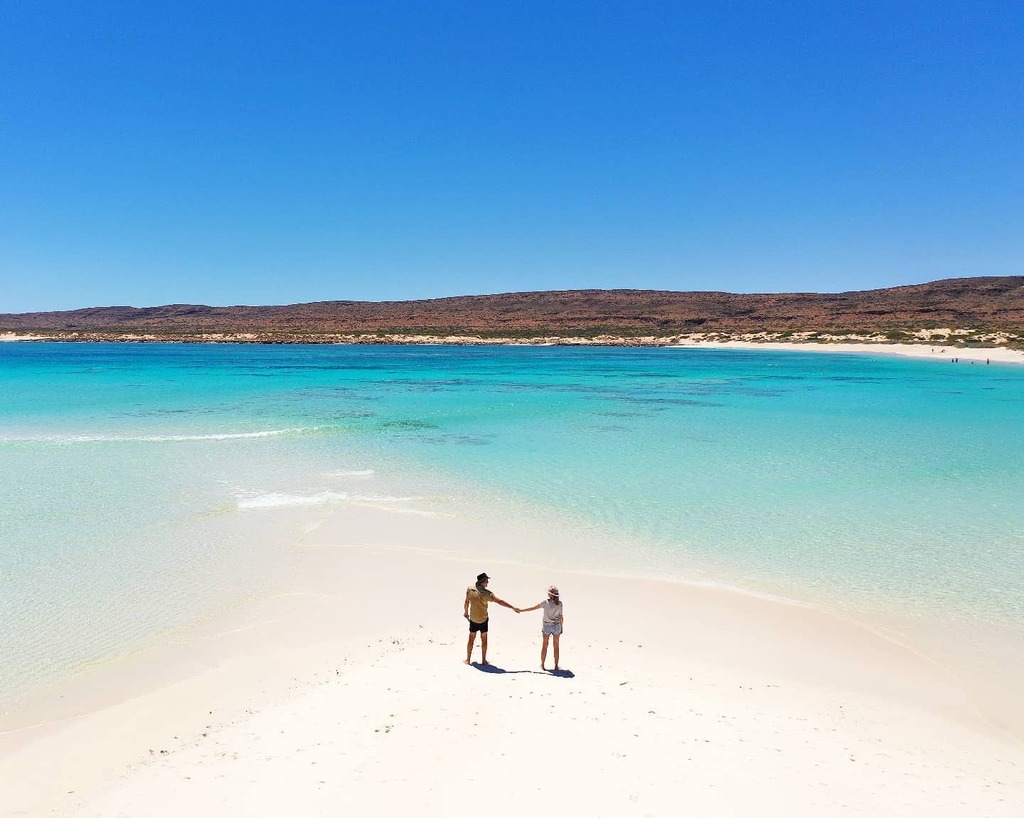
(982, 305)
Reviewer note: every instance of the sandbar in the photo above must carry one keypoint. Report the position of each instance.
(344, 692)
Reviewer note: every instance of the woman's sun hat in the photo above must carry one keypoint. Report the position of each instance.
(553, 591)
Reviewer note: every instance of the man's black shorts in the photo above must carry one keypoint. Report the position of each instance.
(479, 626)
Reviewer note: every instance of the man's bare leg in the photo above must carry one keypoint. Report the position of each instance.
(543, 650)
(557, 635)
(483, 648)
(469, 646)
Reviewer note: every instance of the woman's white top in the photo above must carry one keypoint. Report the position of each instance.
(552, 611)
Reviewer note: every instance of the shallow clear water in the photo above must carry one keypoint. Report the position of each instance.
(869, 485)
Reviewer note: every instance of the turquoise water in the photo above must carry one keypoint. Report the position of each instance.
(869, 485)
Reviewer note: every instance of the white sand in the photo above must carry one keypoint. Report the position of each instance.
(936, 351)
(940, 351)
(345, 694)
(13, 336)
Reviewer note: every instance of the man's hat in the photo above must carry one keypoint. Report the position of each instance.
(482, 577)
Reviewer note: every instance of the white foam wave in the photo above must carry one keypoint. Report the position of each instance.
(145, 438)
(351, 473)
(282, 500)
(225, 436)
(279, 500)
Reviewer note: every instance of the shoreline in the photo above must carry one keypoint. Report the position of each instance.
(14, 337)
(945, 352)
(943, 347)
(362, 645)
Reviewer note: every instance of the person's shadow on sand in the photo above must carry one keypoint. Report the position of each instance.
(488, 668)
(564, 674)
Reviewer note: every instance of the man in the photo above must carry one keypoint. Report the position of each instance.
(475, 610)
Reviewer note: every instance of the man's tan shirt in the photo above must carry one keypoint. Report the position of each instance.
(479, 598)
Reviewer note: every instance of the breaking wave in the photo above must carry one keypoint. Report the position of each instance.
(64, 439)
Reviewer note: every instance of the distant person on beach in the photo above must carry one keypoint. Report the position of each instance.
(475, 610)
(551, 624)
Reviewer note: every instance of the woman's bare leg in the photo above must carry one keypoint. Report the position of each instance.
(557, 636)
(543, 651)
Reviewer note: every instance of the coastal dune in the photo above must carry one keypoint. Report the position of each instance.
(345, 691)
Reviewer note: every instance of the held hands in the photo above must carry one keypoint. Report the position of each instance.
(517, 610)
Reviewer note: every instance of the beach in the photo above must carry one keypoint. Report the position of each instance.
(363, 490)
(14, 336)
(346, 690)
(933, 352)
(942, 349)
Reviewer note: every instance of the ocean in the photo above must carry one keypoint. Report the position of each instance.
(886, 490)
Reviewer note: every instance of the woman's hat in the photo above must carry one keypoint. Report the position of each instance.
(553, 591)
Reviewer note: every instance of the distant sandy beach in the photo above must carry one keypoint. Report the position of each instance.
(345, 693)
(995, 354)
(935, 352)
(13, 336)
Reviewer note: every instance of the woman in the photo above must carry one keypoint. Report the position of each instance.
(551, 624)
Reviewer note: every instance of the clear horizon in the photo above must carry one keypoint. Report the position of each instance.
(225, 155)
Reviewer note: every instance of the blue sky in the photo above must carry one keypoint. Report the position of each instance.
(273, 152)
